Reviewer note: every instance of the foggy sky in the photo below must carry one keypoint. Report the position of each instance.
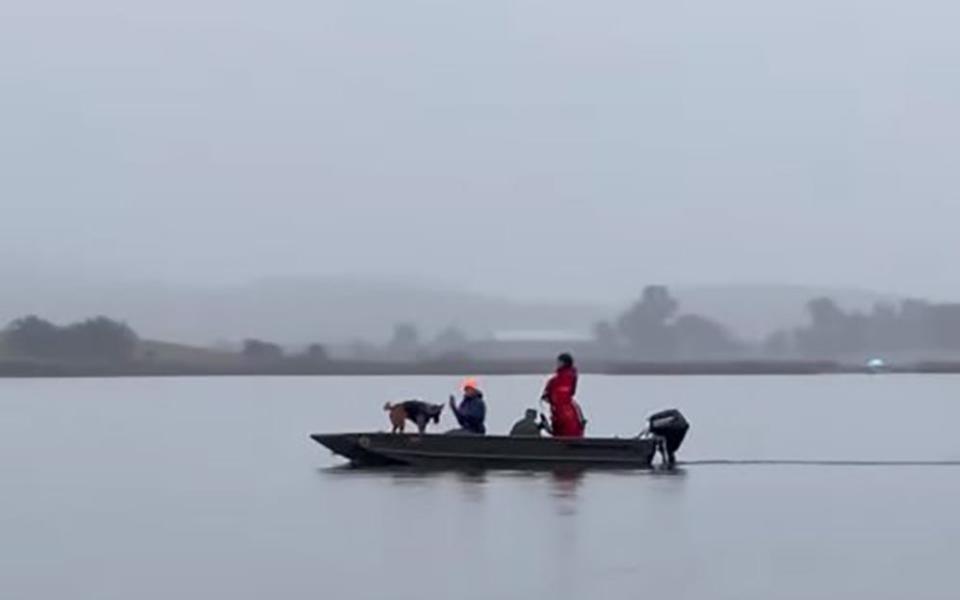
(533, 148)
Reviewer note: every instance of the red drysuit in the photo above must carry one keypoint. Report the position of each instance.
(565, 414)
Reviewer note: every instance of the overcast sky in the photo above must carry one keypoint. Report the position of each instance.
(533, 148)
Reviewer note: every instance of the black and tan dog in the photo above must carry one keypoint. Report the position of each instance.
(415, 411)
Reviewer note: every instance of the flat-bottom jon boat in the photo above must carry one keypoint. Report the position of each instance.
(666, 432)
(437, 451)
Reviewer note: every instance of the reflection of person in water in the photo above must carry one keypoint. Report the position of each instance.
(565, 483)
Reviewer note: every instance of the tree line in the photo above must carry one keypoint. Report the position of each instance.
(653, 328)
(908, 327)
(101, 339)
(257, 350)
(96, 339)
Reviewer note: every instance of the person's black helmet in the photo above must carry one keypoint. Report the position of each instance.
(565, 359)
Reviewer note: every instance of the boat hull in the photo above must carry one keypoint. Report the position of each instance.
(488, 452)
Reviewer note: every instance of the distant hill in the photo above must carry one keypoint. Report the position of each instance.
(291, 311)
(298, 311)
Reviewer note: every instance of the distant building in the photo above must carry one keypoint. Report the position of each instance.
(545, 336)
(530, 345)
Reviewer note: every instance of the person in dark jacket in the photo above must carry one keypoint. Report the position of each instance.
(528, 426)
(472, 411)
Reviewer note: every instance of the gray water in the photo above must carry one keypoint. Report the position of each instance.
(210, 488)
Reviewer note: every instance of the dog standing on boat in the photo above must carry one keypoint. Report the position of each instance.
(415, 411)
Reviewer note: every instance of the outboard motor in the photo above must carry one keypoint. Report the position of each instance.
(670, 428)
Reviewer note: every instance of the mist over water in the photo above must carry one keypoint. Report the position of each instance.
(559, 151)
(296, 186)
(210, 171)
(200, 488)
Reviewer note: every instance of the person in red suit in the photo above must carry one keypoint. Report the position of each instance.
(565, 415)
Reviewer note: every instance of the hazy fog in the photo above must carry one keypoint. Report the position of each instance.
(535, 149)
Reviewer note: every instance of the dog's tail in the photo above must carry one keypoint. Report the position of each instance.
(387, 407)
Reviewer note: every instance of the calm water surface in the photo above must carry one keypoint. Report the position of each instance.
(209, 488)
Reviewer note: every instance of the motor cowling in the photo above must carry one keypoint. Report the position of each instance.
(671, 427)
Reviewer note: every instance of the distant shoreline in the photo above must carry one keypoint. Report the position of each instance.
(32, 369)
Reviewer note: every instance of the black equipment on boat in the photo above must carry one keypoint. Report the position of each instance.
(670, 428)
